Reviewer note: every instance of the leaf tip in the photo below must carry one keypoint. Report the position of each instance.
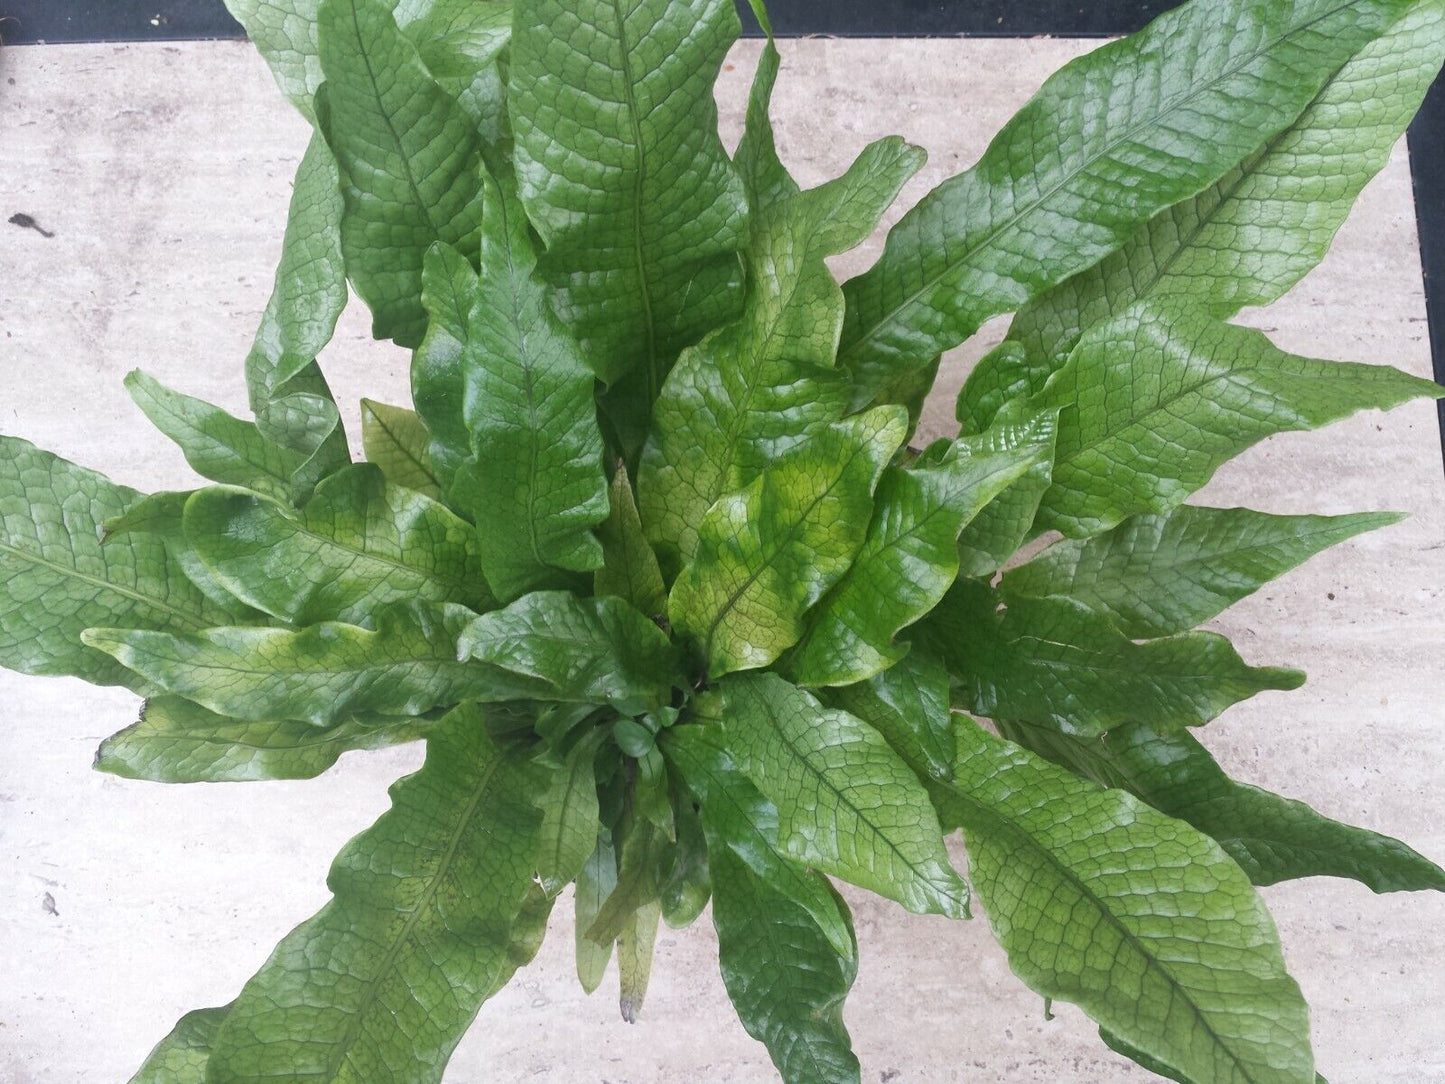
(97, 638)
(1283, 678)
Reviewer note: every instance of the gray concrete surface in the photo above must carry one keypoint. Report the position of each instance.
(163, 172)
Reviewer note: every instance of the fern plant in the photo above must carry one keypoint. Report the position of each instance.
(655, 574)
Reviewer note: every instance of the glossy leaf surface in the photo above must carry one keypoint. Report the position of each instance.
(359, 544)
(409, 158)
(847, 803)
(1108, 142)
(784, 978)
(1272, 838)
(321, 674)
(396, 440)
(1152, 403)
(596, 650)
(1048, 661)
(177, 741)
(908, 560)
(769, 552)
(737, 815)
(629, 566)
(1252, 235)
(57, 577)
(381, 983)
(217, 445)
(1160, 575)
(533, 473)
(1140, 920)
(613, 111)
(758, 387)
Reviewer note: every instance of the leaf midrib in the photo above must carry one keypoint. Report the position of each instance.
(1203, 556)
(644, 287)
(1067, 874)
(862, 815)
(1121, 588)
(793, 529)
(423, 468)
(96, 581)
(367, 668)
(735, 837)
(219, 448)
(404, 935)
(529, 391)
(1228, 189)
(314, 737)
(759, 356)
(423, 205)
(1239, 373)
(989, 236)
(827, 606)
(358, 552)
(570, 795)
(1101, 668)
(785, 975)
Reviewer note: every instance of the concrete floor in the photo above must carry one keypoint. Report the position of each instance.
(163, 172)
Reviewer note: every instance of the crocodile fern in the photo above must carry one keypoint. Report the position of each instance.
(654, 571)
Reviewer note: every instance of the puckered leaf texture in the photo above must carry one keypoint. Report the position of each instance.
(993, 536)
(463, 44)
(737, 815)
(182, 1055)
(1142, 921)
(630, 569)
(847, 803)
(162, 515)
(1253, 234)
(1050, 661)
(321, 674)
(1108, 142)
(784, 978)
(650, 568)
(57, 577)
(310, 286)
(593, 650)
(908, 704)
(291, 400)
(758, 387)
(908, 560)
(768, 552)
(1162, 574)
(177, 741)
(409, 158)
(217, 445)
(439, 365)
(396, 440)
(359, 544)
(1272, 838)
(533, 475)
(1153, 402)
(284, 33)
(622, 171)
(379, 985)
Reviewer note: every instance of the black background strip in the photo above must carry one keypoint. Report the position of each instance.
(25, 22)
(1427, 169)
